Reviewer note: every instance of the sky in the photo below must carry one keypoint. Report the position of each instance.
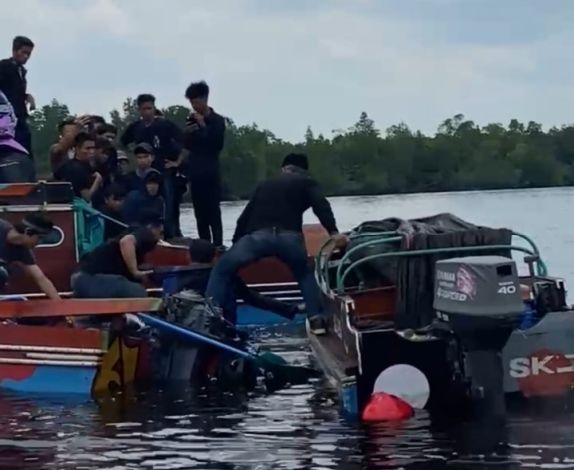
(289, 64)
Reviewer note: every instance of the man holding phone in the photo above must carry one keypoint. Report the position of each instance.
(203, 141)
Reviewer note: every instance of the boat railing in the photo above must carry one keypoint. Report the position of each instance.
(345, 265)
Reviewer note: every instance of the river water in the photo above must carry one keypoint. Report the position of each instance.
(300, 427)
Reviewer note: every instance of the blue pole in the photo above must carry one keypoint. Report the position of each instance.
(162, 324)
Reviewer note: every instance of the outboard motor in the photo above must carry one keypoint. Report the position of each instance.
(479, 300)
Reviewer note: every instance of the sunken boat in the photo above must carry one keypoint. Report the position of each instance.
(441, 312)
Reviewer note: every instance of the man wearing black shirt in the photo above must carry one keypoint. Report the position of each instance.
(16, 245)
(203, 141)
(272, 225)
(13, 84)
(165, 138)
(78, 171)
(112, 270)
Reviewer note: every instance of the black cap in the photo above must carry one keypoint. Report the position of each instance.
(143, 147)
(296, 159)
(153, 176)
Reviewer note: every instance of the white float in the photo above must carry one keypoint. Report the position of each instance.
(406, 382)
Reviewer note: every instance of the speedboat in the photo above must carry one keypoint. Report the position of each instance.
(441, 313)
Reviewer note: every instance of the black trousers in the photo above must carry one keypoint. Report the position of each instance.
(206, 198)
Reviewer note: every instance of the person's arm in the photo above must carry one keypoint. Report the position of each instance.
(88, 193)
(59, 151)
(257, 300)
(321, 207)
(243, 219)
(183, 156)
(31, 101)
(42, 281)
(128, 250)
(212, 131)
(176, 137)
(66, 141)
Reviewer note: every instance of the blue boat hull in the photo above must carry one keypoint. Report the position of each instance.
(248, 316)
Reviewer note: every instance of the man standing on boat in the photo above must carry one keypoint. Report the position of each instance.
(272, 225)
(203, 255)
(113, 269)
(203, 139)
(13, 84)
(16, 245)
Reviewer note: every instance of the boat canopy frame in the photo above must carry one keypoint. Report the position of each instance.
(322, 261)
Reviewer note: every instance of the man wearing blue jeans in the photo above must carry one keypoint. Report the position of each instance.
(272, 225)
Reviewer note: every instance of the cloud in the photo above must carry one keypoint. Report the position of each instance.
(105, 16)
(287, 65)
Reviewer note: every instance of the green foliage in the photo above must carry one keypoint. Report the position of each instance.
(361, 160)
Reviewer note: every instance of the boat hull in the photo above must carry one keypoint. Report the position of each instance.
(248, 316)
(538, 362)
(39, 359)
(60, 360)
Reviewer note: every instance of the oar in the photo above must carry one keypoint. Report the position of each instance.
(277, 371)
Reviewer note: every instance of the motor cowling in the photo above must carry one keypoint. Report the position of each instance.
(479, 299)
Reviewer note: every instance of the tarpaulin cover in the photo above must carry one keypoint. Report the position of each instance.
(414, 275)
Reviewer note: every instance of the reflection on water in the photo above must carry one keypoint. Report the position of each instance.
(300, 428)
(296, 428)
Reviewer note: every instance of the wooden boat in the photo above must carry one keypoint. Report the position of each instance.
(389, 330)
(100, 352)
(62, 359)
(59, 252)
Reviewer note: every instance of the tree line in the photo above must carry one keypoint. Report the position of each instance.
(362, 160)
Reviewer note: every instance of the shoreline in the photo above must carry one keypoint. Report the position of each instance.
(414, 193)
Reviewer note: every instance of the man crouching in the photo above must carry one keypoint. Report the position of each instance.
(112, 270)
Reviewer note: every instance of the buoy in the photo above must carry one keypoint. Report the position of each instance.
(385, 407)
(406, 382)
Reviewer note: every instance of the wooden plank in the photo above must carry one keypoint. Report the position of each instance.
(44, 362)
(49, 349)
(76, 307)
(51, 336)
